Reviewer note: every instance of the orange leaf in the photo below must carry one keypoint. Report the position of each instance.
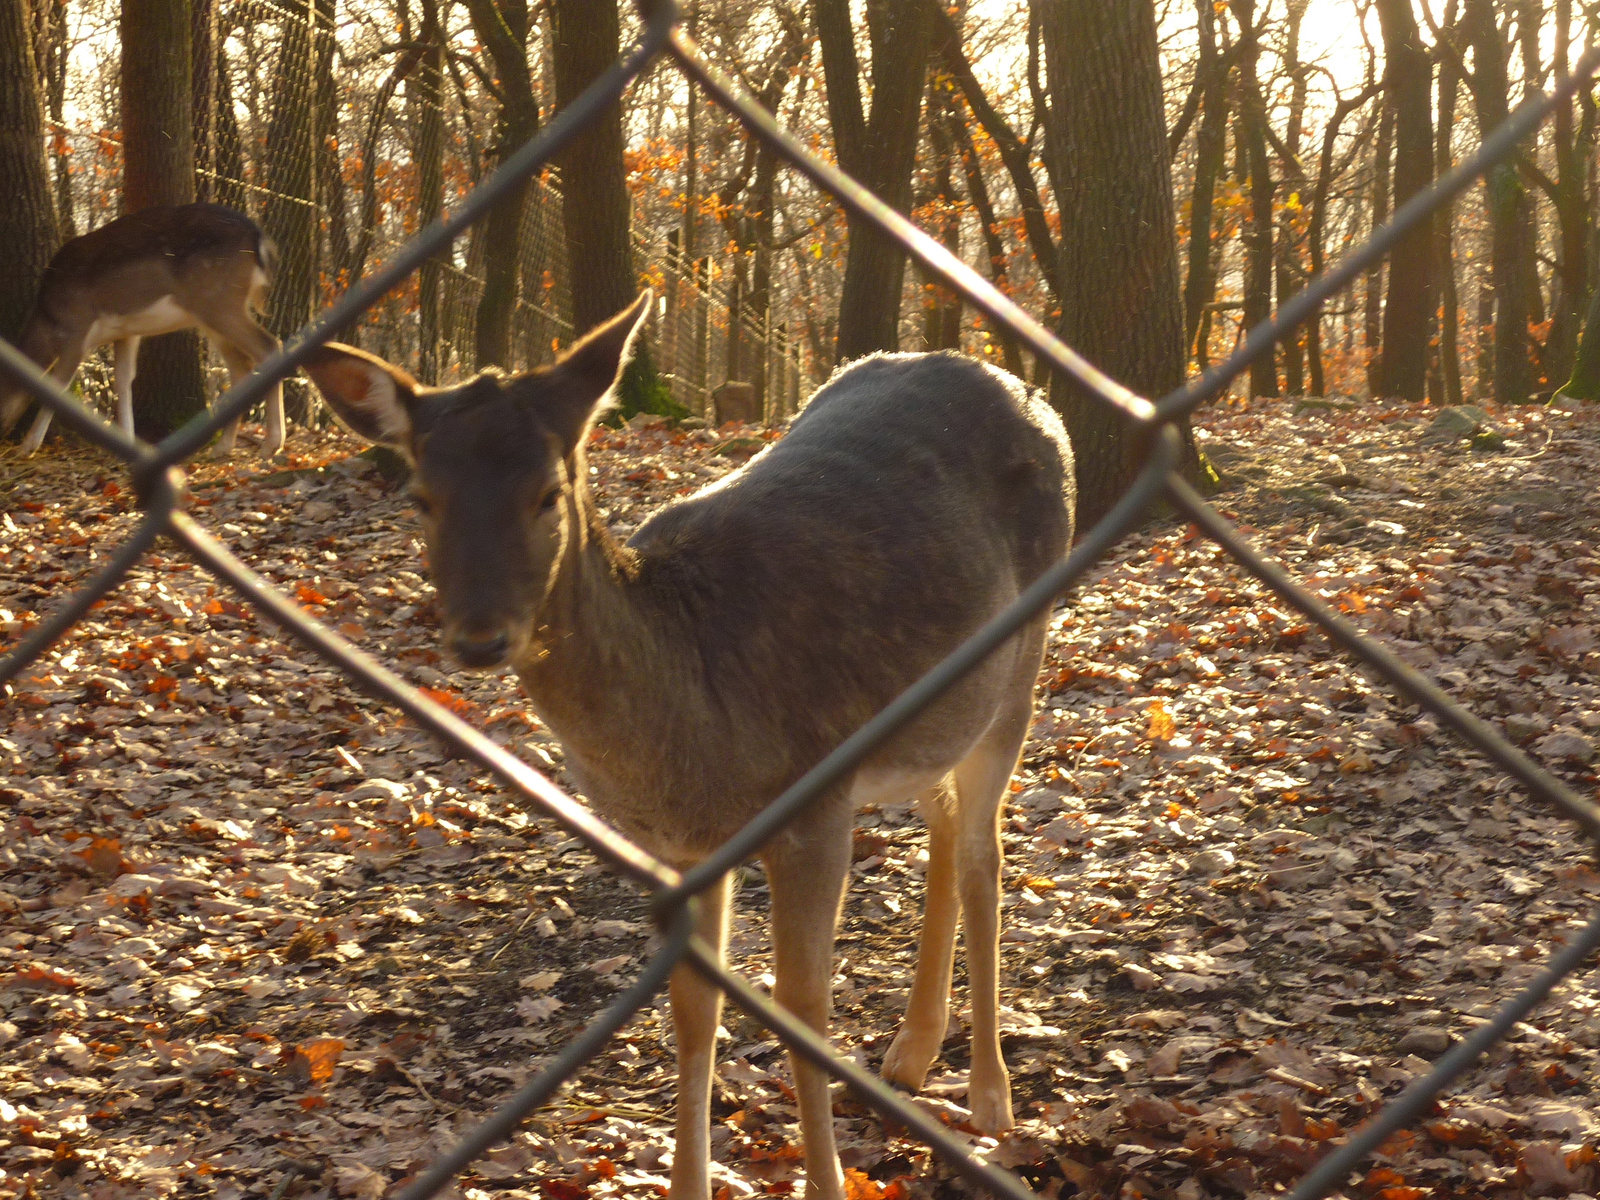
(42, 979)
(104, 857)
(859, 1186)
(309, 595)
(454, 701)
(314, 1061)
(1162, 727)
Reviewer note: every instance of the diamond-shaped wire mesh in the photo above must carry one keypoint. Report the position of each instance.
(159, 485)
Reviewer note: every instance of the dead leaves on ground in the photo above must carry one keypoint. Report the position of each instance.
(257, 925)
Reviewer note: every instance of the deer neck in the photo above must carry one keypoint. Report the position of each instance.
(613, 659)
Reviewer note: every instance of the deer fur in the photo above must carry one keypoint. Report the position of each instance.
(696, 671)
(154, 271)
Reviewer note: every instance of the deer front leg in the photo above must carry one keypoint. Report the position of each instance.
(65, 368)
(244, 346)
(696, 1011)
(124, 366)
(928, 1010)
(806, 873)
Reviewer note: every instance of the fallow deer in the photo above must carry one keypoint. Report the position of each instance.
(742, 633)
(154, 271)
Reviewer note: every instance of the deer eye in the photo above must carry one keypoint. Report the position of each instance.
(549, 500)
(424, 504)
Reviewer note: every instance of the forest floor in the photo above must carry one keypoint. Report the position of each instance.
(260, 937)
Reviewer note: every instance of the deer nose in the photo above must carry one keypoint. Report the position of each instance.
(481, 651)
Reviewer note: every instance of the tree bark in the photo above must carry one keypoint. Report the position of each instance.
(1258, 263)
(1120, 304)
(1444, 233)
(878, 150)
(1210, 147)
(426, 92)
(1290, 272)
(28, 234)
(1510, 214)
(1409, 307)
(503, 30)
(158, 168)
(595, 207)
(1372, 331)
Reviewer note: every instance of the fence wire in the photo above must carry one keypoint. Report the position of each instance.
(159, 485)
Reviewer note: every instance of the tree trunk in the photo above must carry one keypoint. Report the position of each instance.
(28, 234)
(1585, 381)
(158, 168)
(1210, 147)
(1408, 310)
(1510, 215)
(878, 150)
(426, 92)
(1120, 304)
(289, 213)
(1258, 263)
(203, 95)
(1444, 232)
(1372, 331)
(1290, 271)
(503, 29)
(330, 164)
(1573, 149)
(595, 205)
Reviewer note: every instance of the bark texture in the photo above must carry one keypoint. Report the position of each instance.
(158, 168)
(28, 234)
(1408, 308)
(878, 149)
(1120, 304)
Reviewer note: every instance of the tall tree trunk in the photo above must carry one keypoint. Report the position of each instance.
(1510, 215)
(51, 66)
(1444, 233)
(1372, 331)
(289, 213)
(1318, 222)
(1210, 147)
(1258, 261)
(1585, 381)
(158, 168)
(1120, 304)
(941, 306)
(503, 29)
(878, 150)
(426, 92)
(28, 234)
(1573, 149)
(1408, 310)
(595, 205)
(1290, 271)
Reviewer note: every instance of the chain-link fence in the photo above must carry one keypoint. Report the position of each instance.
(159, 484)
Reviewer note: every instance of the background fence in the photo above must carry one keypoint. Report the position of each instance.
(157, 484)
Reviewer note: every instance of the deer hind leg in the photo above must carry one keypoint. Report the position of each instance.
(928, 1011)
(245, 346)
(807, 871)
(981, 782)
(62, 372)
(696, 1010)
(125, 365)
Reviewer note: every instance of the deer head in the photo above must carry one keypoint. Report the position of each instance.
(498, 475)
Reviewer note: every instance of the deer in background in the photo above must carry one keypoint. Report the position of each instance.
(742, 633)
(154, 271)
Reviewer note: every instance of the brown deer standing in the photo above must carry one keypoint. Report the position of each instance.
(742, 633)
(154, 271)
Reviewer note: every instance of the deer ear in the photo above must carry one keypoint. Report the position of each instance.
(373, 398)
(578, 387)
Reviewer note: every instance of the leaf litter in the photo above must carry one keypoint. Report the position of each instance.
(260, 935)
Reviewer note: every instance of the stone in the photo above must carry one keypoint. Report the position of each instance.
(736, 401)
(1564, 742)
(1521, 726)
(1425, 1041)
(1212, 863)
